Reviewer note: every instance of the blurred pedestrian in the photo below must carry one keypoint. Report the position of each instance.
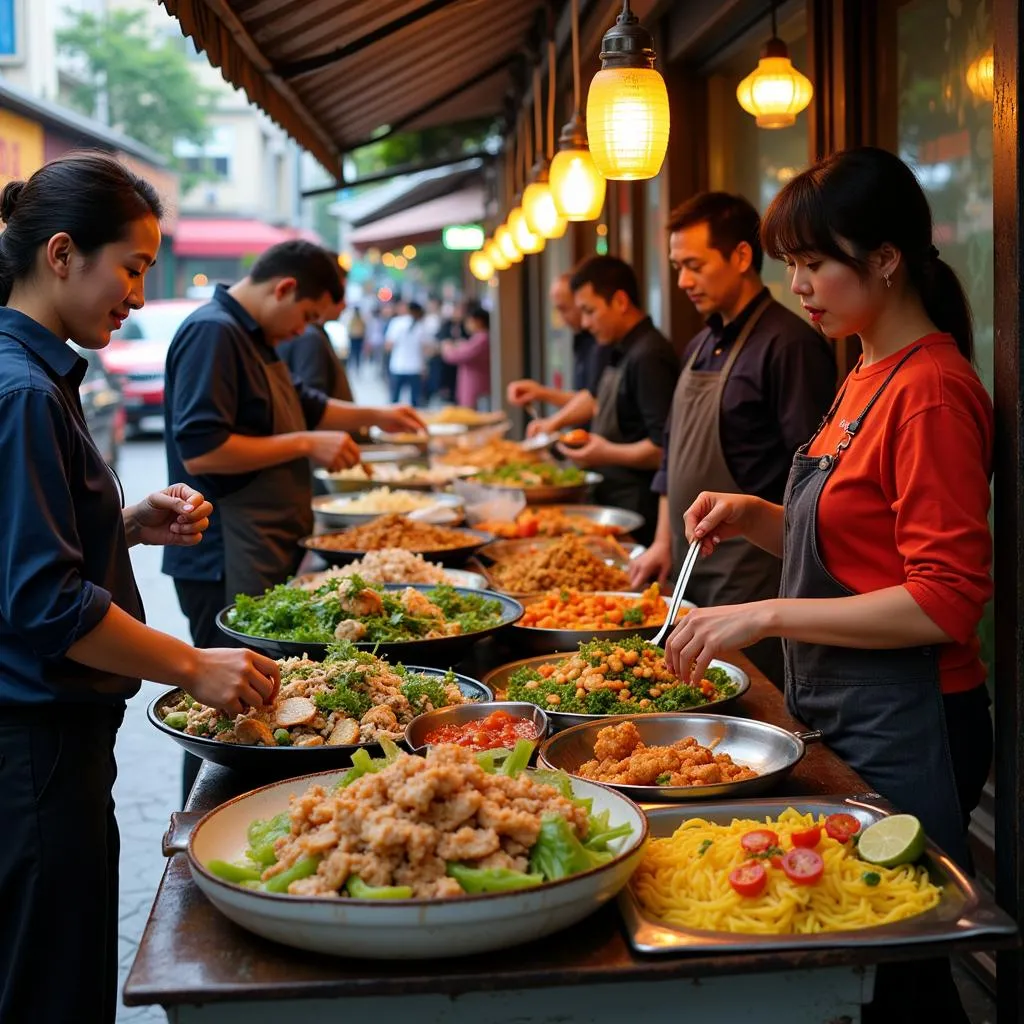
(408, 362)
(473, 359)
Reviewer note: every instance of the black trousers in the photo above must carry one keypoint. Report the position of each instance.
(924, 989)
(200, 601)
(58, 865)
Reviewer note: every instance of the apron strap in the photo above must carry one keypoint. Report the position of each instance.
(741, 340)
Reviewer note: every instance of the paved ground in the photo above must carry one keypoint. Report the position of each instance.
(149, 765)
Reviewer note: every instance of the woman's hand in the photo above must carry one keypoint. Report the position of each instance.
(654, 564)
(233, 680)
(705, 633)
(175, 516)
(715, 517)
(399, 419)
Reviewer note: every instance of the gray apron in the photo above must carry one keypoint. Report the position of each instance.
(264, 521)
(881, 711)
(621, 487)
(738, 571)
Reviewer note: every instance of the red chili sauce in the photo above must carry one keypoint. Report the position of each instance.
(498, 729)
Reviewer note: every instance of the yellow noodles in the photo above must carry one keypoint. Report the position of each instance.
(681, 886)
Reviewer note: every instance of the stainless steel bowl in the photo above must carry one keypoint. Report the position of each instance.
(547, 641)
(459, 714)
(550, 494)
(329, 509)
(620, 519)
(402, 454)
(768, 750)
(456, 577)
(497, 679)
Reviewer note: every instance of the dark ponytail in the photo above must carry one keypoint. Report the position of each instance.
(90, 196)
(867, 197)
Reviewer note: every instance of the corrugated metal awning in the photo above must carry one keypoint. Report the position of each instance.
(335, 73)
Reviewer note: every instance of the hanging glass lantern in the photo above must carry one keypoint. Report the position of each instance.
(981, 76)
(526, 241)
(480, 266)
(493, 252)
(627, 106)
(507, 245)
(774, 92)
(542, 216)
(577, 186)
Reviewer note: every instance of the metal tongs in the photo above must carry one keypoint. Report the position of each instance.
(677, 595)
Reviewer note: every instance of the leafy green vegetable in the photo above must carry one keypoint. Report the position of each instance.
(302, 868)
(559, 854)
(359, 890)
(236, 873)
(518, 759)
(425, 693)
(476, 880)
(600, 832)
(363, 764)
(704, 847)
(529, 474)
(633, 616)
(263, 834)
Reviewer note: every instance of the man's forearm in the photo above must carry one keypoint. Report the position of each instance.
(643, 454)
(243, 454)
(580, 409)
(555, 396)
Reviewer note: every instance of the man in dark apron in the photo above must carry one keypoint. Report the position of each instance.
(755, 383)
(628, 412)
(237, 420)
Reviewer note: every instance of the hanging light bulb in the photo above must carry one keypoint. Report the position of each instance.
(774, 92)
(627, 106)
(526, 241)
(493, 252)
(577, 186)
(981, 76)
(506, 243)
(480, 266)
(542, 216)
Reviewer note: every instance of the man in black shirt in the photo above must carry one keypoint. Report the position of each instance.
(755, 383)
(632, 401)
(588, 362)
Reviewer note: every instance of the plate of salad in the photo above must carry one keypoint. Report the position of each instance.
(448, 885)
(432, 625)
(541, 482)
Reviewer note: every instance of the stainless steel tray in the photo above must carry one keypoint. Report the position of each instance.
(770, 751)
(964, 910)
(550, 494)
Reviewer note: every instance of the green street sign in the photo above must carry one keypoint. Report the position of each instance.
(463, 237)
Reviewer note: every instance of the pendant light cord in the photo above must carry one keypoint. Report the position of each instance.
(775, 30)
(551, 99)
(538, 136)
(576, 53)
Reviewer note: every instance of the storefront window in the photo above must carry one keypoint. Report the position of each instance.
(945, 133)
(757, 162)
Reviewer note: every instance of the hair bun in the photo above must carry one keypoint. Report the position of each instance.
(9, 199)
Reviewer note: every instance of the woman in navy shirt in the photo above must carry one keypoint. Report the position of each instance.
(80, 236)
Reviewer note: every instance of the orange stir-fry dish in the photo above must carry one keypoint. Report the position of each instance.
(575, 609)
(547, 522)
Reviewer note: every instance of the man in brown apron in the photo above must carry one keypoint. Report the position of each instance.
(628, 412)
(755, 384)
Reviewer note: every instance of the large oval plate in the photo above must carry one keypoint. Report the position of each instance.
(283, 762)
(439, 652)
(475, 540)
(405, 929)
(331, 510)
(547, 641)
(548, 494)
(770, 751)
(497, 679)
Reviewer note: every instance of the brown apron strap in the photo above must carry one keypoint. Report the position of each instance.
(741, 340)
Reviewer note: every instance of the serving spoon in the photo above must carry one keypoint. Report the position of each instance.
(677, 594)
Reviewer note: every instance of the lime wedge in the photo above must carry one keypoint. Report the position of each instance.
(898, 839)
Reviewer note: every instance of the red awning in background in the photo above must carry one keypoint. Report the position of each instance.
(229, 238)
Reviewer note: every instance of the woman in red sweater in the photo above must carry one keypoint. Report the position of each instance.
(883, 532)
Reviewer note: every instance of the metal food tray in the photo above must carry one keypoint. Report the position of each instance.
(964, 910)
(550, 494)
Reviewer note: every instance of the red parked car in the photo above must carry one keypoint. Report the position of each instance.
(136, 357)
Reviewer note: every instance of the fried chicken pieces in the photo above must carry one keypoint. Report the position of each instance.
(622, 758)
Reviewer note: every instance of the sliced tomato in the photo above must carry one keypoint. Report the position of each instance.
(803, 866)
(842, 827)
(759, 840)
(807, 837)
(749, 878)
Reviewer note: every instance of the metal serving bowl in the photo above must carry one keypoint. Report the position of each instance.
(329, 510)
(402, 929)
(345, 485)
(460, 714)
(401, 454)
(456, 577)
(282, 762)
(475, 540)
(547, 641)
(439, 651)
(497, 679)
(550, 494)
(768, 750)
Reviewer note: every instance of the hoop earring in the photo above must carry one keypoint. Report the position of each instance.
(888, 280)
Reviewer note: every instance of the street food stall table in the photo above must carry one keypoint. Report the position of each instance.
(200, 966)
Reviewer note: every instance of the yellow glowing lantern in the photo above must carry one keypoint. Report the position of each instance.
(577, 186)
(409, 252)
(774, 92)
(493, 252)
(480, 266)
(507, 244)
(526, 241)
(627, 106)
(981, 76)
(542, 216)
